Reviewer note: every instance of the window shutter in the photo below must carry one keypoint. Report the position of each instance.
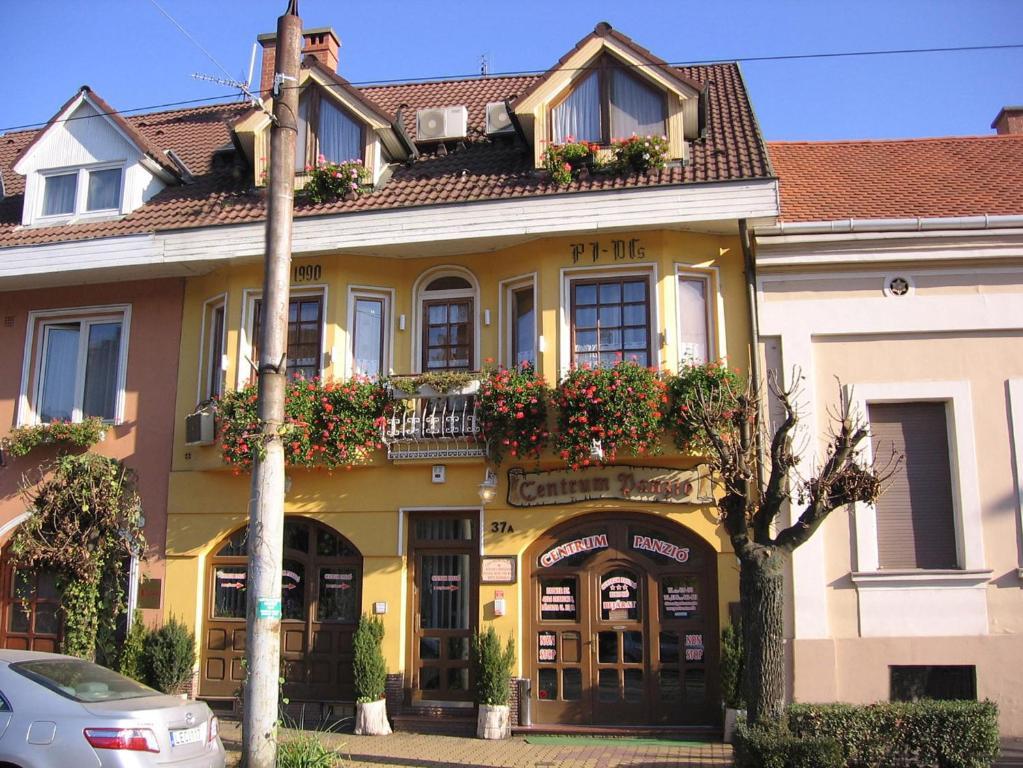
(915, 523)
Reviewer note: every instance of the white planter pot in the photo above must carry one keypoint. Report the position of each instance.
(471, 387)
(732, 717)
(493, 722)
(371, 719)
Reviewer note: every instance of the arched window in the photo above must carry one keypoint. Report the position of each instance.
(447, 310)
(610, 103)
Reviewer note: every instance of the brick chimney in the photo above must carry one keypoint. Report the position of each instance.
(1009, 120)
(321, 42)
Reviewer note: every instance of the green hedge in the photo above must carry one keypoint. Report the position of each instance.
(922, 734)
(775, 747)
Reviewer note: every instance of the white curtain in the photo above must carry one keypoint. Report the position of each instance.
(340, 136)
(101, 370)
(369, 328)
(303, 120)
(578, 115)
(59, 194)
(635, 107)
(692, 297)
(104, 190)
(60, 364)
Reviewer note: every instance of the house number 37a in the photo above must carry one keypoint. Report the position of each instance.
(501, 526)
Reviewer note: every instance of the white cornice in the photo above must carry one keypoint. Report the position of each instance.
(455, 228)
(851, 248)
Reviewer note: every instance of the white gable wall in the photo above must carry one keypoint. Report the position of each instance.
(87, 139)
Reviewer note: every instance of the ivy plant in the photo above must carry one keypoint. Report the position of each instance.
(84, 524)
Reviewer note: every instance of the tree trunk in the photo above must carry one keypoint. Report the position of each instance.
(762, 590)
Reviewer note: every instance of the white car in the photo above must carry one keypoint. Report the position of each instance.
(62, 712)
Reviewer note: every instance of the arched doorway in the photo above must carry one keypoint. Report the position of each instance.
(321, 588)
(623, 624)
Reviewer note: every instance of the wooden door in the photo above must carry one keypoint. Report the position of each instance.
(320, 603)
(623, 623)
(32, 619)
(620, 671)
(445, 558)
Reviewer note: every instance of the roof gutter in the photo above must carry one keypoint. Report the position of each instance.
(917, 224)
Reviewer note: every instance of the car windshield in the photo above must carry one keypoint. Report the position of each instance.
(82, 681)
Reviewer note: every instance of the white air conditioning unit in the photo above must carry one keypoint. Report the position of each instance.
(441, 123)
(498, 120)
(201, 428)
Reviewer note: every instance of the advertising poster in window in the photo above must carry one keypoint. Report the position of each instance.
(694, 646)
(558, 599)
(680, 597)
(547, 647)
(619, 597)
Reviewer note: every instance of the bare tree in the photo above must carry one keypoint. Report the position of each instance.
(757, 489)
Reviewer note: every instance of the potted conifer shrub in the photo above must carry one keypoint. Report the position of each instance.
(370, 671)
(493, 685)
(731, 679)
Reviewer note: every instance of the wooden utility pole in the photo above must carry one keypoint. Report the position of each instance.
(266, 505)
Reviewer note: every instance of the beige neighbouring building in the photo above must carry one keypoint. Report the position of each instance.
(897, 270)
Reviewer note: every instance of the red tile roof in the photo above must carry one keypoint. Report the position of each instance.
(907, 178)
(484, 169)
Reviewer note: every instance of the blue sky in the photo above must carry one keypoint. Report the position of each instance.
(134, 57)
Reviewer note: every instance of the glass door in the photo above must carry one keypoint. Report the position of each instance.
(445, 606)
(619, 649)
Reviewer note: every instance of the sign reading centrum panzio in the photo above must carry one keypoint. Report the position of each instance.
(646, 484)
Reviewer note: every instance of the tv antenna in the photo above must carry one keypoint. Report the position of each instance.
(245, 87)
(227, 80)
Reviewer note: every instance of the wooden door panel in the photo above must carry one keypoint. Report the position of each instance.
(321, 588)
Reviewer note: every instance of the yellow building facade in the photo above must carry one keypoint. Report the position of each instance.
(377, 507)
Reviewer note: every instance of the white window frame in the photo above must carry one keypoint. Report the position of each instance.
(1015, 387)
(32, 361)
(962, 469)
(81, 193)
(571, 274)
(206, 362)
(506, 307)
(422, 295)
(245, 369)
(356, 292)
(711, 276)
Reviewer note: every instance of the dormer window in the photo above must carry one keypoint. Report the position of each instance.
(82, 191)
(610, 103)
(325, 129)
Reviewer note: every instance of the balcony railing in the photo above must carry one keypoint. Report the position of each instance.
(434, 427)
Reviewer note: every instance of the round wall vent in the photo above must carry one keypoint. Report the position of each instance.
(897, 285)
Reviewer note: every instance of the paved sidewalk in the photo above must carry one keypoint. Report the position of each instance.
(428, 751)
(1012, 754)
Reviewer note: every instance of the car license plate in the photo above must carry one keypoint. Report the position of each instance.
(186, 736)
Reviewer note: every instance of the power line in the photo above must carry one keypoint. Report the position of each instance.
(526, 73)
(195, 42)
(152, 107)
